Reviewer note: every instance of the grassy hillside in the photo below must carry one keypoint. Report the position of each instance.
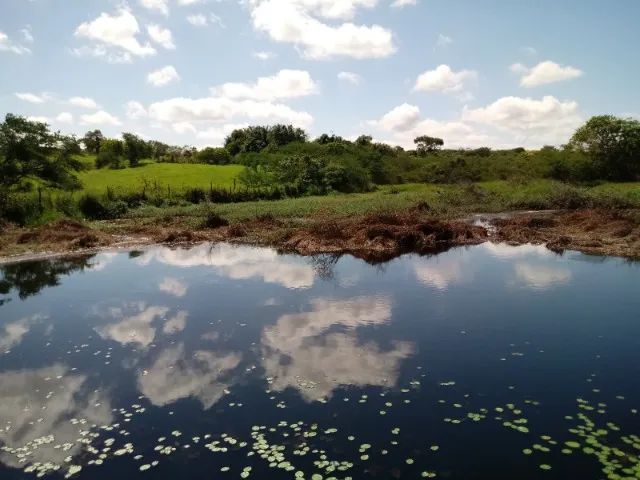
(177, 176)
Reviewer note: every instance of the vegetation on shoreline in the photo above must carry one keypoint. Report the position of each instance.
(49, 175)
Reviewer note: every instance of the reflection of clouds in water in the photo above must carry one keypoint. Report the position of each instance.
(299, 353)
(504, 250)
(176, 323)
(12, 333)
(237, 262)
(102, 260)
(440, 274)
(134, 328)
(173, 286)
(541, 276)
(175, 375)
(29, 412)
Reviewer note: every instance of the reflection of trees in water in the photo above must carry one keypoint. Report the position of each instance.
(323, 265)
(28, 278)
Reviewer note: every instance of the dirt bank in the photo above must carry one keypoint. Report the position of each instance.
(376, 237)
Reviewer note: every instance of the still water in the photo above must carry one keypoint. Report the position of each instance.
(223, 361)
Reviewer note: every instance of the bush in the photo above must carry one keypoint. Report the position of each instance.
(195, 195)
(213, 156)
(19, 209)
(213, 220)
(94, 208)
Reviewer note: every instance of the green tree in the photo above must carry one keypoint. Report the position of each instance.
(283, 134)
(111, 154)
(135, 148)
(426, 144)
(92, 141)
(364, 140)
(214, 156)
(613, 144)
(30, 150)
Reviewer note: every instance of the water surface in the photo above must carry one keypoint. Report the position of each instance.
(222, 361)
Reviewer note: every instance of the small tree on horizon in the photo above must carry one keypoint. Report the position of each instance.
(426, 144)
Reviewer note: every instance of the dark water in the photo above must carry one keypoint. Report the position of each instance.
(235, 362)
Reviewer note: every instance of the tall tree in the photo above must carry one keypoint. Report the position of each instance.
(135, 148)
(30, 150)
(613, 144)
(92, 141)
(426, 144)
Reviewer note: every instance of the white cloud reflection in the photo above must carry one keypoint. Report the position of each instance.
(237, 262)
(175, 375)
(302, 351)
(40, 403)
(541, 276)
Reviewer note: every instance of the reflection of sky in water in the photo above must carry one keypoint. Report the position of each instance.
(102, 355)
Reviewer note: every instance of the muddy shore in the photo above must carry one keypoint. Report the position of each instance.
(375, 237)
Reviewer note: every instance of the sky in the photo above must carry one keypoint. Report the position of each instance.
(498, 73)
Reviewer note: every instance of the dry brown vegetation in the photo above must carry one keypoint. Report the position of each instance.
(373, 237)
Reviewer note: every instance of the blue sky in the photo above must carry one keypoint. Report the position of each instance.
(499, 73)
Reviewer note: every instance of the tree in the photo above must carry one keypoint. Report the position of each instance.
(214, 156)
(92, 141)
(135, 148)
(29, 149)
(283, 134)
(612, 144)
(111, 154)
(426, 144)
(364, 140)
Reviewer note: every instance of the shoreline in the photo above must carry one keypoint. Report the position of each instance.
(375, 237)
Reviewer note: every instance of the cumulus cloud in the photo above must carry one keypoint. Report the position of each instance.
(548, 120)
(403, 3)
(544, 73)
(163, 76)
(161, 6)
(30, 97)
(135, 110)
(350, 77)
(161, 36)
(114, 37)
(284, 84)
(100, 118)
(444, 79)
(300, 22)
(83, 102)
(400, 118)
(65, 117)
(6, 45)
(263, 55)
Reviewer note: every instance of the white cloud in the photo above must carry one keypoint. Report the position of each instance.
(215, 136)
(38, 118)
(219, 109)
(163, 76)
(83, 102)
(135, 110)
(541, 276)
(65, 117)
(443, 40)
(284, 84)
(443, 79)
(403, 3)
(528, 121)
(198, 20)
(161, 36)
(189, 2)
(27, 35)
(113, 37)
(99, 118)
(6, 45)
(350, 77)
(296, 22)
(401, 118)
(173, 286)
(544, 73)
(264, 55)
(161, 6)
(30, 97)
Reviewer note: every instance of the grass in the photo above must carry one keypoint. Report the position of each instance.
(163, 175)
(443, 200)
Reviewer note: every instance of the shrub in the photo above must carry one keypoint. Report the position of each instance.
(213, 220)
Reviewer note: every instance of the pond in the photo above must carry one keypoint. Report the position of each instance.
(221, 361)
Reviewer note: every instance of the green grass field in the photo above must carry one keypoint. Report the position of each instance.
(445, 200)
(178, 176)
